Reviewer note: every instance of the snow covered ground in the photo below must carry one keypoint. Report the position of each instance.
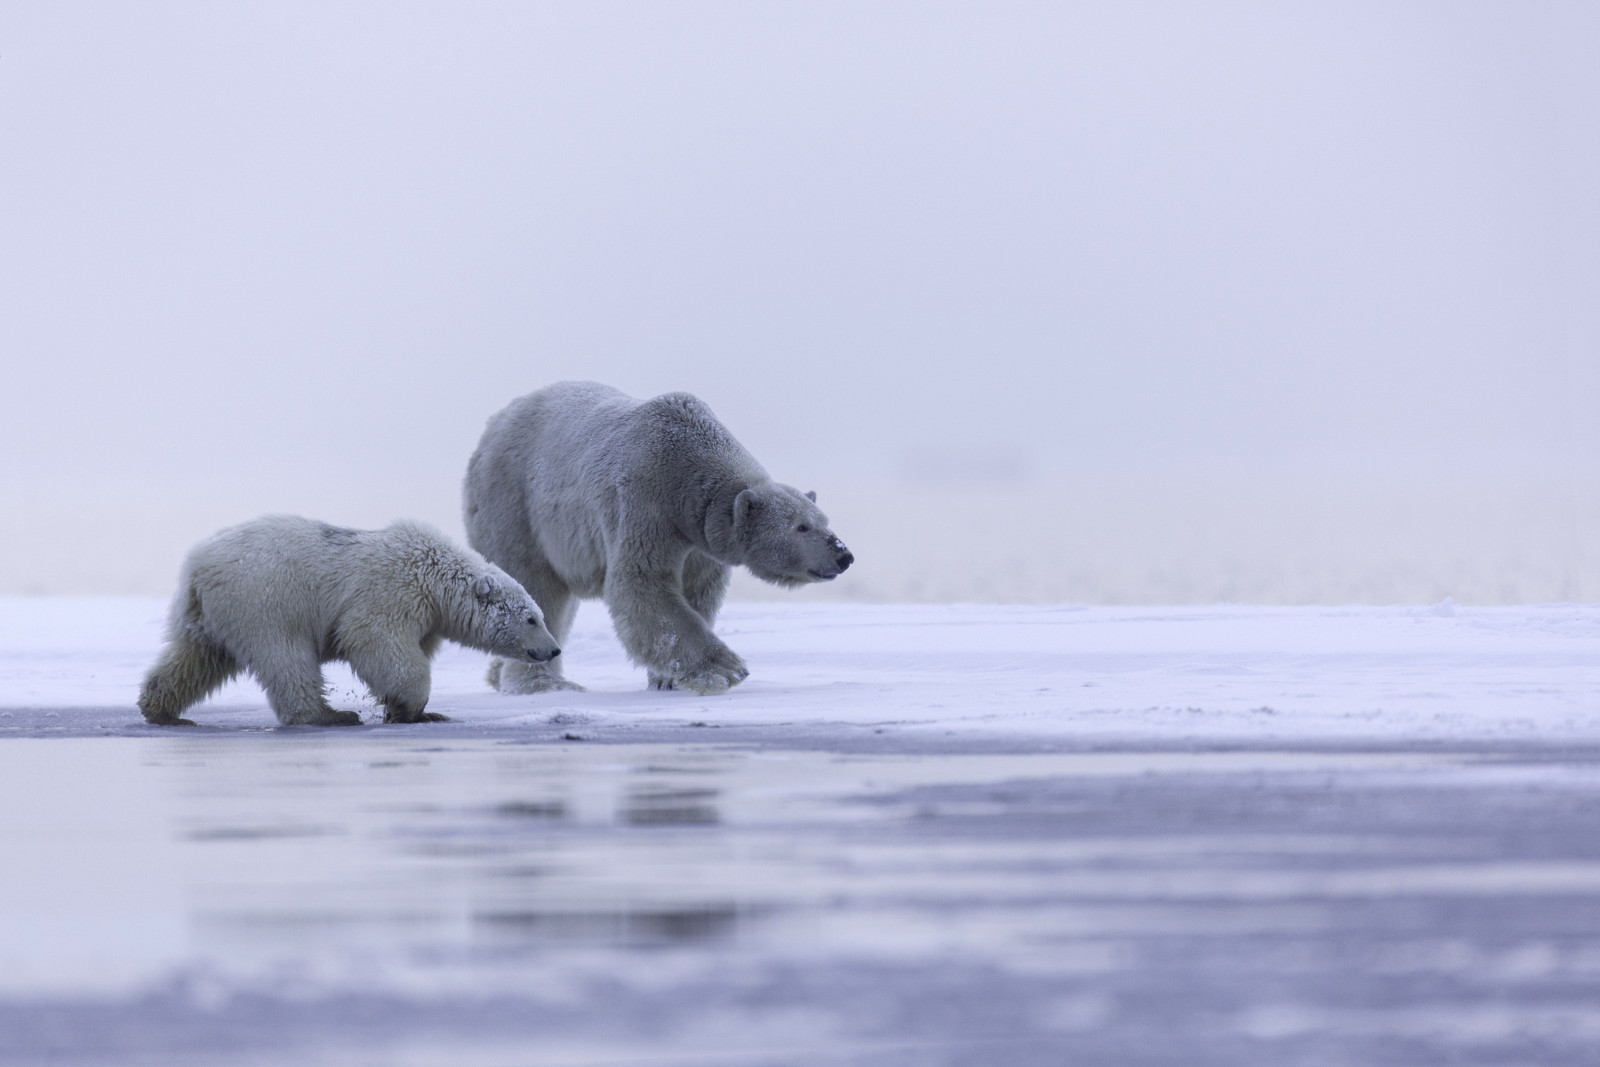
(828, 672)
(917, 835)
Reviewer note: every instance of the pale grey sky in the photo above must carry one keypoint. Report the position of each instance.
(290, 256)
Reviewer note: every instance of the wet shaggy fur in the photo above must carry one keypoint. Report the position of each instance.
(281, 595)
(579, 491)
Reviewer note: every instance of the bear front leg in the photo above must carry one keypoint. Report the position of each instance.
(399, 677)
(293, 681)
(673, 641)
(705, 582)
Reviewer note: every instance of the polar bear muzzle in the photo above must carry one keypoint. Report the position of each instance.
(841, 562)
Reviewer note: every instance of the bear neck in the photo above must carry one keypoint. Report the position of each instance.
(721, 539)
(427, 604)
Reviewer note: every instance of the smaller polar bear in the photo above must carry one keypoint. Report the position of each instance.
(280, 596)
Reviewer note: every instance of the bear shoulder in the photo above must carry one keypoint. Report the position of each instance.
(682, 428)
(415, 545)
(680, 405)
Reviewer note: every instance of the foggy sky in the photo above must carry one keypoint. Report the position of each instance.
(290, 256)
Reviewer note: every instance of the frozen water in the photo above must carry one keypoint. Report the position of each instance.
(918, 835)
(305, 896)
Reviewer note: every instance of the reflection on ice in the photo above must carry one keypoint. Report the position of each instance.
(252, 833)
(1229, 896)
(671, 807)
(638, 928)
(534, 809)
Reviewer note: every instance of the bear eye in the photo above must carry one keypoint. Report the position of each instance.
(533, 620)
(802, 528)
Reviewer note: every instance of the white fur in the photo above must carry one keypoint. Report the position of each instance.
(280, 596)
(579, 491)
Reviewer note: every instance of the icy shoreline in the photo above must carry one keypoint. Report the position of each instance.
(71, 667)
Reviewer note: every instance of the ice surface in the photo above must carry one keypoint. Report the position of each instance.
(71, 667)
(918, 835)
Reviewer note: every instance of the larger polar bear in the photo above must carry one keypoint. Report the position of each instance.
(579, 491)
(280, 596)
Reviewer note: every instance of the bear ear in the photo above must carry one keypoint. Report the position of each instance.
(811, 495)
(484, 587)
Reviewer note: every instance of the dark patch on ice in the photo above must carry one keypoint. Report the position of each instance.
(672, 807)
(260, 833)
(693, 924)
(451, 848)
(533, 809)
(659, 795)
(660, 806)
(521, 872)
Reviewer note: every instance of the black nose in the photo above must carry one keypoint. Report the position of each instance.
(845, 560)
(533, 654)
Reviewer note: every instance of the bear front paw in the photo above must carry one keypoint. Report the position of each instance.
(723, 671)
(169, 720)
(525, 678)
(401, 713)
(710, 683)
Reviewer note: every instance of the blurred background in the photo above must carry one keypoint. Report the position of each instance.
(1093, 302)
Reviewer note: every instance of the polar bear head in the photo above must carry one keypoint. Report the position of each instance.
(506, 621)
(784, 537)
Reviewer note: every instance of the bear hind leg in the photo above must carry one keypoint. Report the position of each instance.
(190, 669)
